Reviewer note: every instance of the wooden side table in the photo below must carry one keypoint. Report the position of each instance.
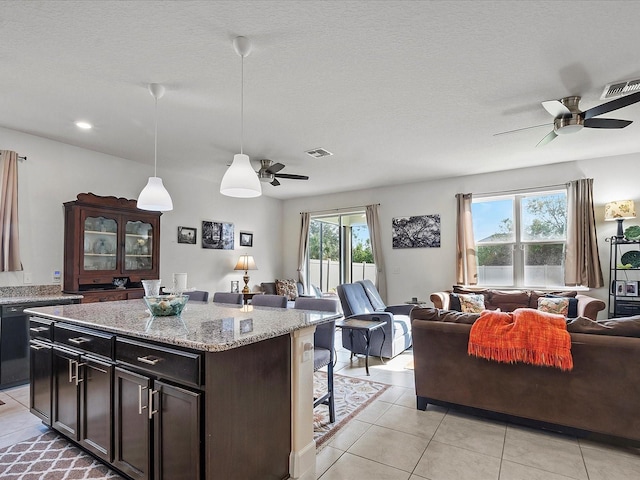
(365, 327)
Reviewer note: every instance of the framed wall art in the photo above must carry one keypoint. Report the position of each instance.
(217, 235)
(187, 235)
(632, 288)
(246, 239)
(416, 232)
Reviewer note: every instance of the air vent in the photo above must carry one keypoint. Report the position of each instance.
(619, 89)
(318, 153)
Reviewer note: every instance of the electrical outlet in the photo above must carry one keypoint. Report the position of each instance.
(26, 278)
(56, 277)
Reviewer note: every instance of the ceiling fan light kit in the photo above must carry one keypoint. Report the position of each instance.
(154, 196)
(568, 118)
(240, 180)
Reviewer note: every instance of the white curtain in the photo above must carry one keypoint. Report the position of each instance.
(303, 249)
(582, 264)
(10, 244)
(373, 223)
(466, 265)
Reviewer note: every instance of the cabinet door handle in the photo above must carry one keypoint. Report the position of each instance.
(151, 410)
(71, 362)
(38, 329)
(149, 361)
(37, 347)
(140, 407)
(79, 340)
(77, 377)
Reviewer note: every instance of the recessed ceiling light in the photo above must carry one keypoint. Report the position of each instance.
(84, 125)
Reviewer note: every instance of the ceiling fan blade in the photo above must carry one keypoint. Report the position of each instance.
(292, 177)
(275, 182)
(524, 128)
(606, 123)
(612, 105)
(550, 136)
(556, 108)
(276, 167)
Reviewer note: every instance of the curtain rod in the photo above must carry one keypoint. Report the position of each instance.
(335, 210)
(566, 184)
(22, 158)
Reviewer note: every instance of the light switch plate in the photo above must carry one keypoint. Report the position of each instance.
(56, 277)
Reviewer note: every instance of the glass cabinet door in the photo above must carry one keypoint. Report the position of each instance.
(100, 243)
(138, 246)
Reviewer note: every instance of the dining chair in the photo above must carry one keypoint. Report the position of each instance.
(227, 297)
(278, 301)
(323, 347)
(198, 296)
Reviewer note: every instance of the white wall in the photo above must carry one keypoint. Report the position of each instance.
(421, 271)
(55, 173)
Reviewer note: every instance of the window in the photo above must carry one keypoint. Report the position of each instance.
(339, 250)
(521, 239)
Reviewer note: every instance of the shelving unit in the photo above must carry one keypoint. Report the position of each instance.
(108, 239)
(624, 282)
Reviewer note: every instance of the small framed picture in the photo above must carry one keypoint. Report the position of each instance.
(187, 235)
(235, 286)
(619, 288)
(632, 288)
(246, 239)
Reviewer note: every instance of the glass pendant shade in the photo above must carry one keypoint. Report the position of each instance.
(155, 197)
(240, 180)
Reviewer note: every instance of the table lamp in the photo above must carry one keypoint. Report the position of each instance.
(619, 210)
(246, 263)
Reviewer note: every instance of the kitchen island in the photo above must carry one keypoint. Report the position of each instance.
(222, 392)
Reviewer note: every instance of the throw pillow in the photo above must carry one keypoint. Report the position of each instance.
(288, 288)
(471, 303)
(559, 306)
(454, 302)
(573, 305)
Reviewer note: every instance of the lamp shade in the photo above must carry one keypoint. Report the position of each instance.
(619, 210)
(155, 197)
(245, 263)
(240, 180)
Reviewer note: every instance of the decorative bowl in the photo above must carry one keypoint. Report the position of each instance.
(166, 305)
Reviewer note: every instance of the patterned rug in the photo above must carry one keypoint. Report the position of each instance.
(51, 457)
(351, 396)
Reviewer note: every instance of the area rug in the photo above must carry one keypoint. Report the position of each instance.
(351, 396)
(51, 457)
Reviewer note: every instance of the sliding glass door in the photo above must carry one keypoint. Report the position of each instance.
(339, 250)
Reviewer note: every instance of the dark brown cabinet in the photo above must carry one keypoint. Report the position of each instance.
(159, 421)
(40, 361)
(108, 240)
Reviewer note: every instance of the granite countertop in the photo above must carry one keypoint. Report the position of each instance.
(34, 293)
(203, 326)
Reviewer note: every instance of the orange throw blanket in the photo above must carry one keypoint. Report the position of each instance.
(524, 335)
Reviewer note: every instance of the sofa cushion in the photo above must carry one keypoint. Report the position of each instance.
(573, 305)
(470, 303)
(536, 294)
(438, 315)
(622, 327)
(557, 305)
(268, 288)
(288, 288)
(508, 300)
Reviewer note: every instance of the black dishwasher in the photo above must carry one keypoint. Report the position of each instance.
(14, 342)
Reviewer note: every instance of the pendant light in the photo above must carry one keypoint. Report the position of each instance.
(240, 180)
(154, 196)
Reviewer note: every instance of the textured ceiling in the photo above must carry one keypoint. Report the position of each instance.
(398, 91)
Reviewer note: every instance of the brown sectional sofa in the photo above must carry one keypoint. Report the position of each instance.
(509, 300)
(601, 394)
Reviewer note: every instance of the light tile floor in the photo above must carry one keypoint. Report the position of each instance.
(392, 440)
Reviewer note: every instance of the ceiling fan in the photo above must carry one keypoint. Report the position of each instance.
(269, 173)
(568, 118)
